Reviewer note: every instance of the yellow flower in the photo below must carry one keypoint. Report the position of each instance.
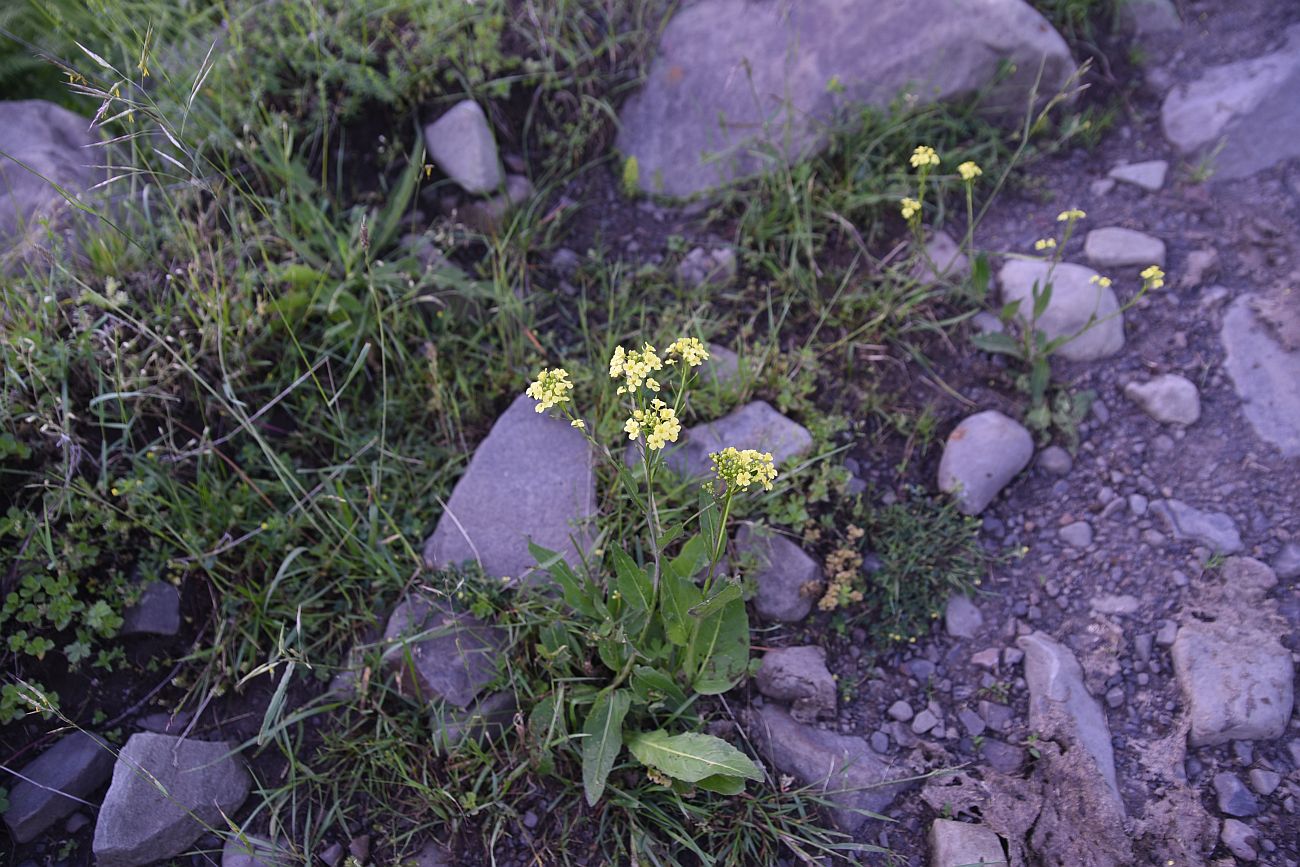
(689, 350)
(740, 469)
(1071, 215)
(634, 366)
(969, 171)
(578, 423)
(1153, 277)
(551, 388)
(1045, 244)
(923, 156)
(659, 424)
(910, 208)
(1103, 282)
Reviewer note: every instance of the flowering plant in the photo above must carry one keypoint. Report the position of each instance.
(652, 633)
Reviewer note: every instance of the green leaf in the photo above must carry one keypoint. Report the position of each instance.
(1042, 297)
(721, 644)
(603, 742)
(670, 535)
(691, 559)
(725, 594)
(979, 277)
(652, 685)
(722, 784)
(1040, 375)
(633, 583)
(1009, 310)
(691, 756)
(995, 341)
(575, 590)
(709, 515)
(677, 596)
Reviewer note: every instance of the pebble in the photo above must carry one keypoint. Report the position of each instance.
(1115, 696)
(1169, 399)
(1167, 634)
(900, 710)
(1137, 504)
(924, 722)
(1077, 535)
(1240, 839)
(1149, 175)
(961, 617)
(1265, 782)
(971, 721)
(1234, 799)
(1055, 460)
(880, 742)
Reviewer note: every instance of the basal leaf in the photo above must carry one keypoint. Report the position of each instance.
(574, 588)
(722, 784)
(633, 583)
(691, 757)
(995, 341)
(726, 593)
(721, 648)
(603, 742)
(677, 596)
(652, 685)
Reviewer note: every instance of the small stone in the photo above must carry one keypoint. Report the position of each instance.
(158, 611)
(1055, 460)
(960, 844)
(1244, 752)
(1264, 781)
(76, 822)
(1167, 634)
(462, 144)
(1114, 697)
(1137, 504)
(1287, 562)
(1101, 187)
(1264, 373)
(987, 658)
(433, 855)
(1012, 656)
(333, 855)
(1113, 604)
(971, 721)
(1248, 576)
(1239, 839)
(924, 721)
(1214, 529)
(490, 717)
(1169, 399)
(1200, 264)
(900, 710)
(961, 616)
(530, 820)
(998, 716)
(1077, 535)
(1081, 310)
(985, 322)
(1002, 757)
(1140, 18)
(880, 742)
(1149, 175)
(982, 454)
(1116, 247)
(714, 268)
(76, 765)
(799, 675)
(1142, 646)
(943, 259)
(359, 848)
(784, 574)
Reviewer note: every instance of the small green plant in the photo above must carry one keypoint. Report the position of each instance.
(662, 636)
(631, 177)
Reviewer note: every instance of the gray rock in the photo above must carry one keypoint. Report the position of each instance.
(755, 425)
(1002, 757)
(1233, 797)
(701, 267)
(76, 765)
(1075, 303)
(960, 844)
(1147, 17)
(1101, 187)
(783, 573)
(924, 721)
(880, 742)
(462, 144)
(1060, 706)
(1055, 460)
(1249, 578)
(1237, 678)
(57, 146)
(437, 653)
(985, 322)
(736, 84)
(138, 824)
(532, 478)
(1264, 781)
(1266, 376)
(722, 368)
(1239, 839)
(971, 721)
(1287, 562)
(900, 710)
(1199, 265)
(1214, 529)
(158, 611)
(982, 454)
(855, 778)
(76, 822)
(164, 723)
(942, 259)
(1169, 399)
(1077, 534)
(1137, 504)
(255, 852)
(1117, 247)
(1247, 105)
(1110, 604)
(961, 617)
(489, 215)
(798, 675)
(491, 717)
(1149, 175)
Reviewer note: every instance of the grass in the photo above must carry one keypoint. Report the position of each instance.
(249, 387)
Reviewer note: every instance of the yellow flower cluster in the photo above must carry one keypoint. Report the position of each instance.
(1103, 282)
(740, 469)
(1154, 277)
(1045, 244)
(910, 208)
(659, 424)
(969, 171)
(688, 350)
(635, 367)
(551, 388)
(1070, 215)
(923, 156)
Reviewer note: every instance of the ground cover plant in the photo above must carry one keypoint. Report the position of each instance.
(253, 386)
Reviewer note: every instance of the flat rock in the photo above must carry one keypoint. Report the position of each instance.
(755, 425)
(1248, 578)
(1266, 376)
(438, 653)
(854, 777)
(962, 844)
(1264, 781)
(737, 85)
(158, 611)
(1115, 604)
(1240, 839)
(961, 616)
(798, 675)
(783, 576)
(1248, 105)
(462, 144)
(1233, 798)
(1117, 247)
(1168, 398)
(1237, 679)
(1149, 175)
(138, 824)
(982, 454)
(1076, 301)
(1077, 534)
(76, 765)
(532, 478)
(1214, 529)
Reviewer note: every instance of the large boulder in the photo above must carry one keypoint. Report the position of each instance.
(532, 478)
(166, 792)
(1077, 300)
(74, 767)
(740, 84)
